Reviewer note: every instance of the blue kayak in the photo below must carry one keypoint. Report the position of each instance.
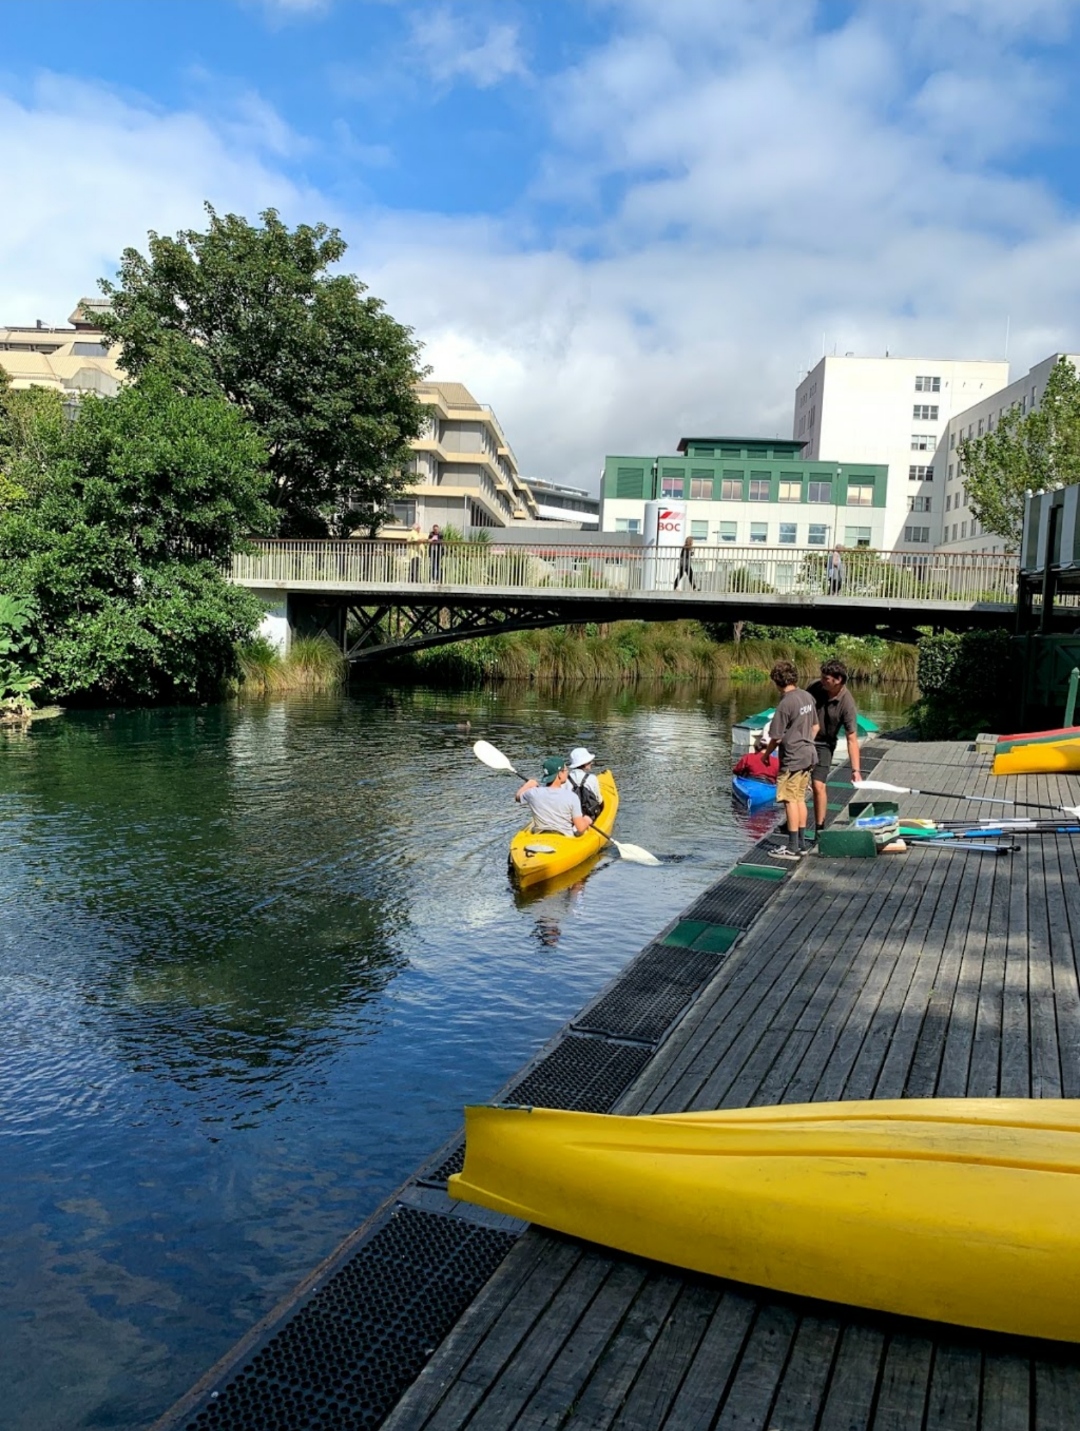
(753, 792)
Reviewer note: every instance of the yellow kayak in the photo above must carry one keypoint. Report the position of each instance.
(530, 860)
(1047, 759)
(954, 1210)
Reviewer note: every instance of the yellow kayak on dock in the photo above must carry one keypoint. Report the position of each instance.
(535, 857)
(953, 1210)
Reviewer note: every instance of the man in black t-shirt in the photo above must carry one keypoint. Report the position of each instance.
(793, 728)
(835, 706)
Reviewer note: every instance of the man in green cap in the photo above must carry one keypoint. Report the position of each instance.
(552, 801)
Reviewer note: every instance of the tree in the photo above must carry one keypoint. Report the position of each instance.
(325, 374)
(1026, 452)
(135, 508)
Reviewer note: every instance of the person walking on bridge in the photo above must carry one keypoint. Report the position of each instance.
(686, 570)
(414, 541)
(834, 572)
(435, 550)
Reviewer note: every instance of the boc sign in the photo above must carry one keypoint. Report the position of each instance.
(665, 524)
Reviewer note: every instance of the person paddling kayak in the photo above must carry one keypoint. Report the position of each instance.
(552, 802)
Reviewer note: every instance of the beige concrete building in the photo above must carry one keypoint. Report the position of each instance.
(68, 360)
(466, 475)
(960, 531)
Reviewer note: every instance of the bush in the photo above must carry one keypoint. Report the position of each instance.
(960, 681)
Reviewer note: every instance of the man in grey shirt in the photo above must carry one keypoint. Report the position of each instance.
(793, 728)
(552, 802)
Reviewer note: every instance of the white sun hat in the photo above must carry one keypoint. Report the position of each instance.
(579, 757)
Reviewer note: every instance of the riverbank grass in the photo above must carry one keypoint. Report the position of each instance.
(314, 663)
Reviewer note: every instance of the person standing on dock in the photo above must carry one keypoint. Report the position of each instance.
(552, 802)
(794, 729)
(836, 712)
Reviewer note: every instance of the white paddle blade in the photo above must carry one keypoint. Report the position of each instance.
(881, 785)
(539, 849)
(634, 853)
(490, 756)
(1073, 810)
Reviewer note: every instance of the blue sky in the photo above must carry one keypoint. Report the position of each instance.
(618, 221)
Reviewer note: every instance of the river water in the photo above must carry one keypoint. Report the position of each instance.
(255, 958)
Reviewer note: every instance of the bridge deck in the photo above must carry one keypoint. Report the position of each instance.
(934, 974)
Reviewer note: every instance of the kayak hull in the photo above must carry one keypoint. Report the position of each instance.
(1065, 735)
(753, 792)
(953, 1210)
(1039, 759)
(561, 853)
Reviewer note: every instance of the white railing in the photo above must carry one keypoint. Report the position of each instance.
(794, 573)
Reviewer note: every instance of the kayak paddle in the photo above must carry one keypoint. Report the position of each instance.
(496, 760)
(1073, 810)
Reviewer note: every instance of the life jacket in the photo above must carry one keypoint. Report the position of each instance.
(591, 804)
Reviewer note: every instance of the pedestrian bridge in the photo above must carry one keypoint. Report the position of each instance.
(380, 597)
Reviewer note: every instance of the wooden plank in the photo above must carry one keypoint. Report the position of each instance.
(669, 1357)
(955, 1384)
(604, 1393)
(558, 1393)
(1057, 1394)
(1045, 1059)
(757, 1375)
(802, 1389)
(905, 1380)
(984, 1070)
(463, 1391)
(1007, 1393)
(955, 1069)
(709, 1375)
(1062, 923)
(849, 1399)
(1015, 1080)
(476, 1325)
(521, 1374)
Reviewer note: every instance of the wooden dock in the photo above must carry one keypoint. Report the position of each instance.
(938, 973)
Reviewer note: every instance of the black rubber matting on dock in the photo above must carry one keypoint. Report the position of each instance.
(734, 900)
(651, 994)
(344, 1358)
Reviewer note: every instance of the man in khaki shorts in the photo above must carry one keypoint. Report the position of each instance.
(793, 728)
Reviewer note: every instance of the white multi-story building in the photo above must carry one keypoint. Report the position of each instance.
(897, 412)
(958, 529)
(70, 361)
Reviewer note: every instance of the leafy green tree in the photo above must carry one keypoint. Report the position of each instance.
(31, 421)
(121, 544)
(324, 372)
(1026, 452)
(18, 646)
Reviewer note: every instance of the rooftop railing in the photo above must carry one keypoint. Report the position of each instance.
(795, 573)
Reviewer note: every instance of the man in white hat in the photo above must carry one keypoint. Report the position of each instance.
(584, 781)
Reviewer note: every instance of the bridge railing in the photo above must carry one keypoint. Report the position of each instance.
(794, 572)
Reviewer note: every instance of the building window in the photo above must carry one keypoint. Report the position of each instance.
(952, 440)
(787, 534)
(950, 472)
(403, 512)
(981, 425)
(628, 524)
(802, 424)
(918, 504)
(629, 482)
(728, 532)
(817, 535)
(927, 385)
(790, 491)
(923, 442)
(759, 532)
(856, 536)
(701, 489)
(918, 473)
(948, 502)
(819, 491)
(671, 486)
(858, 496)
(963, 530)
(699, 531)
(916, 534)
(759, 489)
(731, 489)
(924, 412)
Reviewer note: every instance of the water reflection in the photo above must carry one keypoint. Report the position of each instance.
(254, 960)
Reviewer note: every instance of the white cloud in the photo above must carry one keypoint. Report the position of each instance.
(450, 47)
(95, 172)
(729, 186)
